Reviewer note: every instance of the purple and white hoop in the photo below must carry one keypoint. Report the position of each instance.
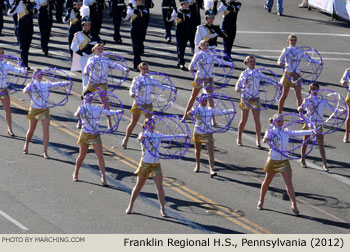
(12, 74)
(293, 123)
(167, 137)
(155, 89)
(109, 69)
(216, 116)
(326, 109)
(260, 89)
(101, 112)
(306, 64)
(52, 90)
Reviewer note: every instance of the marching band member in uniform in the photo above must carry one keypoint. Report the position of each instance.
(345, 80)
(24, 11)
(118, 12)
(96, 13)
(229, 22)
(44, 8)
(168, 6)
(74, 19)
(82, 46)
(209, 31)
(183, 31)
(59, 10)
(148, 4)
(14, 17)
(138, 16)
(4, 96)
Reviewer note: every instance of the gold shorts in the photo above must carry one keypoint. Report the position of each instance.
(146, 169)
(4, 93)
(88, 139)
(100, 87)
(135, 109)
(198, 83)
(203, 138)
(38, 114)
(285, 81)
(254, 103)
(277, 165)
(347, 100)
(319, 128)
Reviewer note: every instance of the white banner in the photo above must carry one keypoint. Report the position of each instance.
(342, 8)
(325, 5)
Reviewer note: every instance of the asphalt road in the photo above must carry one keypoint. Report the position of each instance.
(39, 196)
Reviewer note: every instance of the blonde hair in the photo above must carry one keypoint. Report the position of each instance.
(97, 45)
(274, 117)
(202, 42)
(142, 64)
(245, 61)
(292, 36)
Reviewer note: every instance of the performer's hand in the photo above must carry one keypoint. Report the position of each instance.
(132, 95)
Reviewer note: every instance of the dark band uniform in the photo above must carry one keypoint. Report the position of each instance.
(184, 34)
(229, 21)
(195, 6)
(45, 22)
(96, 14)
(167, 8)
(73, 17)
(118, 12)
(138, 17)
(24, 11)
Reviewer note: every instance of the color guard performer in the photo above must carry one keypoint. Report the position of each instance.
(74, 19)
(253, 85)
(230, 10)
(148, 166)
(44, 8)
(277, 163)
(24, 11)
(345, 80)
(204, 116)
(5, 67)
(315, 105)
(38, 108)
(291, 55)
(135, 110)
(90, 116)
